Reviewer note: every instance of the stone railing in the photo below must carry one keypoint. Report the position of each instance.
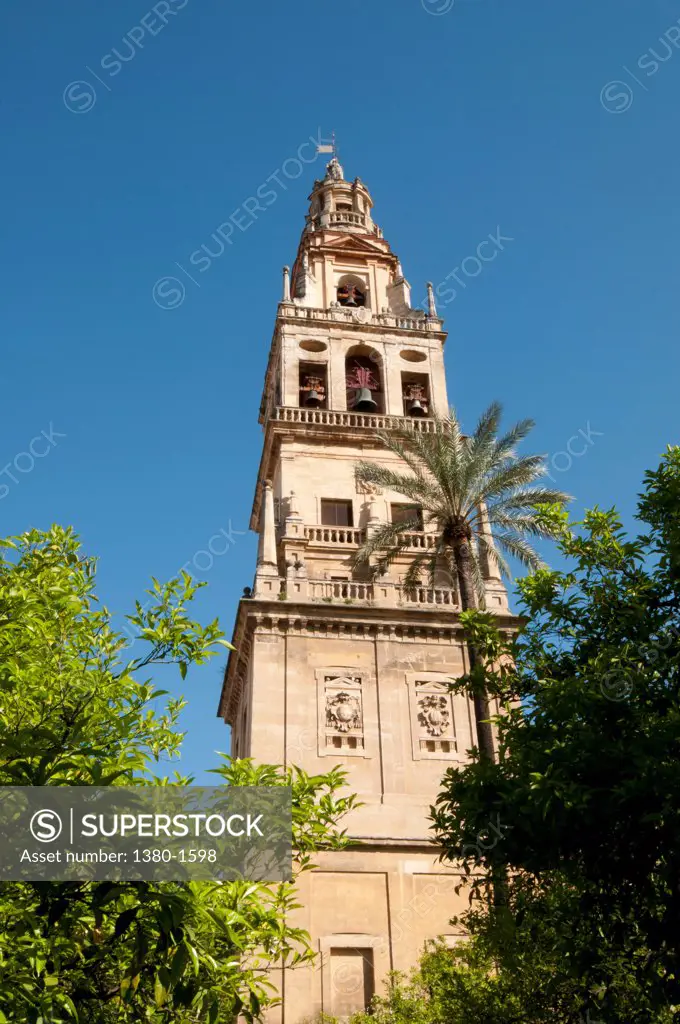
(419, 540)
(381, 594)
(362, 420)
(361, 315)
(348, 535)
(426, 595)
(328, 590)
(334, 535)
(347, 217)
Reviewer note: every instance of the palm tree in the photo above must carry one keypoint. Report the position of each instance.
(465, 486)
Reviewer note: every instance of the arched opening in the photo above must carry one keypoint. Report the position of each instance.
(415, 390)
(313, 385)
(363, 380)
(352, 292)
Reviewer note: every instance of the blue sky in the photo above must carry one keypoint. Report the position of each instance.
(552, 123)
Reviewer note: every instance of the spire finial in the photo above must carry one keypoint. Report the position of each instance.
(431, 308)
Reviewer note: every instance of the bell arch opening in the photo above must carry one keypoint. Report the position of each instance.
(351, 291)
(364, 380)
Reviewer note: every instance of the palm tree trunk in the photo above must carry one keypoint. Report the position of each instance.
(485, 738)
(468, 600)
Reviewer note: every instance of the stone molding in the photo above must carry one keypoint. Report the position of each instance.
(432, 624)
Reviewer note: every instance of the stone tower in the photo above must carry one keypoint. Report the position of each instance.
(331, 667)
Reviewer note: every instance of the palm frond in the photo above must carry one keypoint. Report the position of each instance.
(509, 476)
(372, 473)
(519, 549)
(453, 445)
(400, 442)
(494, 556)
(386, 540)
(412, 577)
(507, 444)
(478, 482)
(478, 580)
(481, 447)
(522, 522)
(530, 498)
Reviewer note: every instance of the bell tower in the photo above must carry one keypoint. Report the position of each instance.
(332, 666)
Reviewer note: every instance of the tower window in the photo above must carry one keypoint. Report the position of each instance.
(347, 207)
(313, 385)
(363, 382)
(336, 513)
(407, 514)
(351, 295)
(415, 388)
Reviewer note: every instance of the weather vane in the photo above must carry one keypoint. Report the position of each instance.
(332, 148)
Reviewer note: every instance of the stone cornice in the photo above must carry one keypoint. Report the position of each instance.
(366, 621)
(417, 844)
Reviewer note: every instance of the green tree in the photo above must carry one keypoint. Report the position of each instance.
(449, 986)
(508, 972)
(586, 791)
(75, 711)
(462, 484)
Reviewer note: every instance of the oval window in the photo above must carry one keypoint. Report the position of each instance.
(313, 346)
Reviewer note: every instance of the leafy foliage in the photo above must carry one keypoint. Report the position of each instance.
(74, 711)
(587, 785)
(508, 973)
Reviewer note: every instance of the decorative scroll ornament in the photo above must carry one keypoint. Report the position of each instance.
(435, 714)
(368, 488)
(343, 712)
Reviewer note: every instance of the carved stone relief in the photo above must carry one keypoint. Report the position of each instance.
(434, 714)
(343, 711)
(433, 724)
(341, 714)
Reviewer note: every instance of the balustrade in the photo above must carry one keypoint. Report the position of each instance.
(347, 217)
(361, 420)
(427, 595)
(419, 540)
(334, 535)
(329, 590)
(349, 590)
(360, 315)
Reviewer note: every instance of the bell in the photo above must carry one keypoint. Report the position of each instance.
(351, 301)
(313, 399)
(363, 401)
(416, 409)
